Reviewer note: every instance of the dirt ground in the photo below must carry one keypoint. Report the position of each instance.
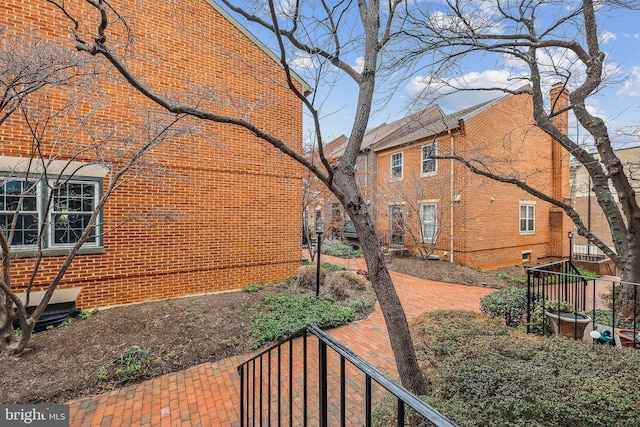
(98, 354)
(443, 271)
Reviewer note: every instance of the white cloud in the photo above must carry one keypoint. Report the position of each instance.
(359, 65)
(632, 85)
(451, 98)
(303, 62)
(606, 37)
(593, 107)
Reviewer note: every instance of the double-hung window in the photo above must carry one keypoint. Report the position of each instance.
(60, 209)
(429, 163)
(19, 202)
(72, 207)
(396, 166)
(527, 218)
(428, 221)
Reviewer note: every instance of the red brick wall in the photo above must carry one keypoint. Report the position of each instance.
(211, 211)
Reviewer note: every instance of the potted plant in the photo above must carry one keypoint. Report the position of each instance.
(565, 320)
(627, 338)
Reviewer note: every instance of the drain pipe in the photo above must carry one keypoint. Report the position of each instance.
(452, 199)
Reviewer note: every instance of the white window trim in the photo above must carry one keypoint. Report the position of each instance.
(51, 223)
(391, 166)
(527, 204)
(526, 254)
(38, 184)
(422, 159)
(48, 246)
(435, 221)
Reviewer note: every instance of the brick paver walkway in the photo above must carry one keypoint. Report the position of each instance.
(208, 394)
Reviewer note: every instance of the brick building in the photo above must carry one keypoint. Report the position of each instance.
(586, 205)
(439, 206)
(211, 209)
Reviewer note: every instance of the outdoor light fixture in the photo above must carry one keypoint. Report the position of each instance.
(319, 231)
(571, 235)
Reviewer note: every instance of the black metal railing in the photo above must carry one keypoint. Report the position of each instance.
(561, 282)
(310, 379)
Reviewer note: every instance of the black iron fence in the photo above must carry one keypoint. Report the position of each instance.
(594, 305)
(310, 379)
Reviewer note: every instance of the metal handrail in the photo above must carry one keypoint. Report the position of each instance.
(404, 397)
(536, 276)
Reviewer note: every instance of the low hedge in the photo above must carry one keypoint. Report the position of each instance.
(486, 374)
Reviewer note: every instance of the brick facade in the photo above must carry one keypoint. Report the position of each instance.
(213, 210)
(479, 218)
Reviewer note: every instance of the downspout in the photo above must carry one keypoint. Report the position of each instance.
(453, 202)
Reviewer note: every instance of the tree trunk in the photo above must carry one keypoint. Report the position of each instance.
(628, 300)
(404, 352)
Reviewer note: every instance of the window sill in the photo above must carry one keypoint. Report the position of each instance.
(51, 252)
(527, 233)
(434, 173)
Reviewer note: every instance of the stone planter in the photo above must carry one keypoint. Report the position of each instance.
(626, 337)
(570, 325)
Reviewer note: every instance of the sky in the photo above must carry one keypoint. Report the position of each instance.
(618, 103)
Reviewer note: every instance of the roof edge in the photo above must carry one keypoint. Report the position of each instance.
(306, 88)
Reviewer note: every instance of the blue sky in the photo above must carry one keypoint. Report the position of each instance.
(618, 103)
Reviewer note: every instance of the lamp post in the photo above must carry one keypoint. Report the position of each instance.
(571, 235)
(319, 231)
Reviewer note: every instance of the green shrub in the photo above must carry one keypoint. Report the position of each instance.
(507, 303)
(497, 376)
(539, 322)
(307, 276)
(285, 314)
(252, 287)
(85, 314)
(332, 267)
(131, 365)
(586, 273)
(339, 249)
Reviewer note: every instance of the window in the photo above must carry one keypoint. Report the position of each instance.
(526, 257)
(428, 222)
(429, 164)
(396, 166)
(527, 219)
(71, 207)
(26, 227)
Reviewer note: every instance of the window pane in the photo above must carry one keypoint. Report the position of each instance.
(73, 204)
(428, 163)
(26, 227)
(396, 165)
(527, 218)
(428, 215)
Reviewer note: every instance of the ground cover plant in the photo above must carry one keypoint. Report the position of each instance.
(485, 373)
(337, 248)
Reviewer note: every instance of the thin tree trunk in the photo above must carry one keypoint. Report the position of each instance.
(404, 352)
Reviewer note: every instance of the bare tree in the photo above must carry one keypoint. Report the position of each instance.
(428, 208)
(44, 87)
(316, 32)
(543, 43)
